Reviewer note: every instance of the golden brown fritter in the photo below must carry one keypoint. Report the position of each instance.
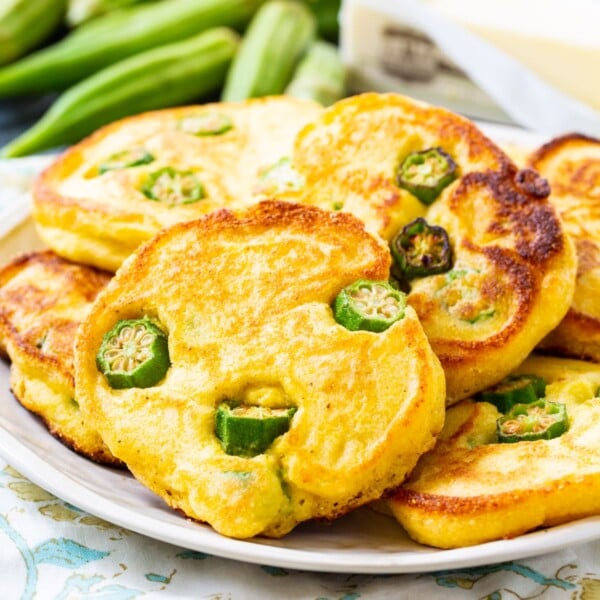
(571, 164)
(470, 489)
(43, 298)
(245, 302)
(91, 207)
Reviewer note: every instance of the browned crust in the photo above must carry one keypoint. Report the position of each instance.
(556, 145)
(277, 213)
(435, 504)
(87, 280)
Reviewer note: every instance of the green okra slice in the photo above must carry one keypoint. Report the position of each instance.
(540, 420)
(425, 174)
(206, 124)
(126, 159)
(249, 430)
(134, 353)
(514, 389)
(462, 295)
(279, 177)
(369, 306)
(420, 249)
(172, 187)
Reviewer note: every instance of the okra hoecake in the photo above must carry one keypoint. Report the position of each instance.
(479, 485)
(117, 188)
(477, 243)
(267, 402)
(43, 298)
(571, 164)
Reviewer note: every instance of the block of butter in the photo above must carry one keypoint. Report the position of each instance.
(388, 49)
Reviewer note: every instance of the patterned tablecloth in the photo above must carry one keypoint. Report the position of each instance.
(52, 549)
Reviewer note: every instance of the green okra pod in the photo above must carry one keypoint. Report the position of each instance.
(166, 76)
(25, 24)
(118, 35)
(320, 75)
(80, 11)
(274, 42)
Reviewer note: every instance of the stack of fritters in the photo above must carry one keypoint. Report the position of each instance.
(232, 299)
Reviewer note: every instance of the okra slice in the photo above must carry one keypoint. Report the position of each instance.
(279, 177)
(173, 187)
(540, 420)
(134, 353)
(249, 430)
(126, 159)
(420, 249)
(514, 389)
(206, 124)
(461, 294)
(369, 306)
(425, 174)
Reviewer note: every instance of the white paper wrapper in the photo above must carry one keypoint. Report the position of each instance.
(497, 87)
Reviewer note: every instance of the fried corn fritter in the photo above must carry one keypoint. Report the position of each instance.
(213, 366)
(43, 298)
(500, 275)
(470, 489)
(104, 196)
(571, 164)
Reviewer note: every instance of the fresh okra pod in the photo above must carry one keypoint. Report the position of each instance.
(276, 38)
(80, 11)
(320, 75)
(24, 24)
(166, 76)
(118, 35)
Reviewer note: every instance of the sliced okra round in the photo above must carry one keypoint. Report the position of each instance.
(461, 294)
(134, 353)
(514, 389)
(205, 124)
(369, 306)
(420, 249)
(279, 177)
(173, 187)
(425, 174)
(250, 430)
(539, 420)
(126, 159)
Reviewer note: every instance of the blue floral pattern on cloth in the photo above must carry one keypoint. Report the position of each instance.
(51, 549)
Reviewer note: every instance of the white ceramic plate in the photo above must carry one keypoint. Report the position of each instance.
(362, 542)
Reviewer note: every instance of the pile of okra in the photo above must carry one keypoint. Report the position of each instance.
(107, 59)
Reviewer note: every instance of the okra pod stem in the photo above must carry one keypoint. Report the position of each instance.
(275, 40)
(320, 75)
(118, 35)
(165, 76)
